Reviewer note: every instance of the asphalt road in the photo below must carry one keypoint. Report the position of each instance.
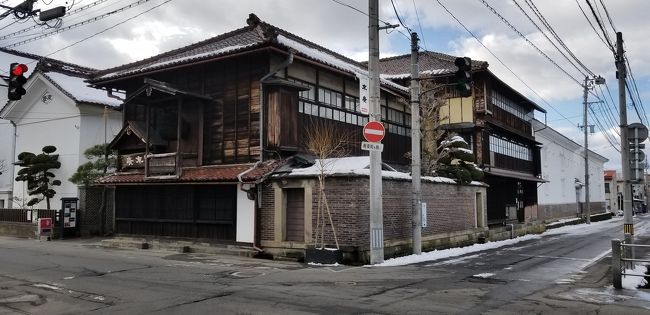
(557, 273)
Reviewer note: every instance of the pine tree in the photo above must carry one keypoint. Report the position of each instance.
(36, 173)
(459, 162)
(100, 162)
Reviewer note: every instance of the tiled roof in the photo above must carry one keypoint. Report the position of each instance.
(428, 61)
(216, 173)
(609, 174)
(256, 34)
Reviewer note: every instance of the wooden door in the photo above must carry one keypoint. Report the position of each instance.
(295, 215)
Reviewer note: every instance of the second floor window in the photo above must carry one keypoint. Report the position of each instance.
(510, 148)
(500, 101)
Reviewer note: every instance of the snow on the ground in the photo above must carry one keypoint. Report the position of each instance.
(452, 252)
(483, 275)
(633, 282)
(459, 251)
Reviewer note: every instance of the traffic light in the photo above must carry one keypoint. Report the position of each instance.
(15, 90)
(464, 76)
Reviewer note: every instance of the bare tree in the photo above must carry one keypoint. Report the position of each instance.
(326, 142)
(432, 151)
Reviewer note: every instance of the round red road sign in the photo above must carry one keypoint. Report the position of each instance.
(374, 131)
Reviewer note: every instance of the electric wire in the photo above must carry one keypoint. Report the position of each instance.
(88, 21)
(600, 25)
(109, 28)
(503, 63)
(552, 42)
(592, 25)
(70, 13)
(557, 37)
(504, 20)
(420, 26)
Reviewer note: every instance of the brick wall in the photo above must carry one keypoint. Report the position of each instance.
(450, 208)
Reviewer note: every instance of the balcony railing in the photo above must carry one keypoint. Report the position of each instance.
(162, 166)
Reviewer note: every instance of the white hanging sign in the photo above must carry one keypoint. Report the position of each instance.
(364, 95)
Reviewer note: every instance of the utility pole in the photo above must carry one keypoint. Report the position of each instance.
(584, 125)
(376, 211)
(628, 223)
(589, 83)
(416, 200)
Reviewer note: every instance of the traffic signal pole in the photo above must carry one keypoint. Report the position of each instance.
(628, 223)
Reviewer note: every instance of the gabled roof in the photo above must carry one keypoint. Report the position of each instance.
(67, 77)
(430, 63)
(256, 35)
(561, 139)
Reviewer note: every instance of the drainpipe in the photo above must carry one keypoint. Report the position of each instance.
(241, 182)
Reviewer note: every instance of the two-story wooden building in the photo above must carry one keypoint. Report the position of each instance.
(204, 124)
(496, 121)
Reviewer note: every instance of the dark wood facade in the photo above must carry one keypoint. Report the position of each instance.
(211, 114)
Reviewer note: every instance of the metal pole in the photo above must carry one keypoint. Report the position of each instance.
(376, 212)
(585, 126)
(416, 200)
(616, 264)
(628, 223)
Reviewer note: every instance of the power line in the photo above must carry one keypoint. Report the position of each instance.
(108, 28)
(63, 29)
(25, 30)
(548, 26)
(593, 27)
(504, 20)
(503, 63)
(399, 18)
(420, 25)
(613, 143)
(600, 25)
(611, 23)
(550, 41)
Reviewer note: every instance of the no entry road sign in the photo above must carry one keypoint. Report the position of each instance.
(374, 131)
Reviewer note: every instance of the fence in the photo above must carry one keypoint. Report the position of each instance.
(620, 261)
(26, 215)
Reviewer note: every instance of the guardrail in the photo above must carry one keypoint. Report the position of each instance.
(620, 261)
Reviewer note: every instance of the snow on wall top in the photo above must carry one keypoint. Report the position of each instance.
(408, 75)
(80, 91)
(360, 166)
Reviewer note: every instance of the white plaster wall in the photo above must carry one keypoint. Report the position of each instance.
(560, 167)
(55, 123)
(92, 127)
(6, 156)
(245, 217)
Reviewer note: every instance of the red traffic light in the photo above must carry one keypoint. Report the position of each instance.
(19, 69)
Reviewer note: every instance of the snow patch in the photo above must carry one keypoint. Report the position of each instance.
(484, 275)
(323, 265)
(79, 89)
(635, 281)
(46, 286)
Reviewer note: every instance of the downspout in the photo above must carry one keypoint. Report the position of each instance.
(109, 93)
(241, 183)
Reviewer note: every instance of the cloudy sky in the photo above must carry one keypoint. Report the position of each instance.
(156, 26)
